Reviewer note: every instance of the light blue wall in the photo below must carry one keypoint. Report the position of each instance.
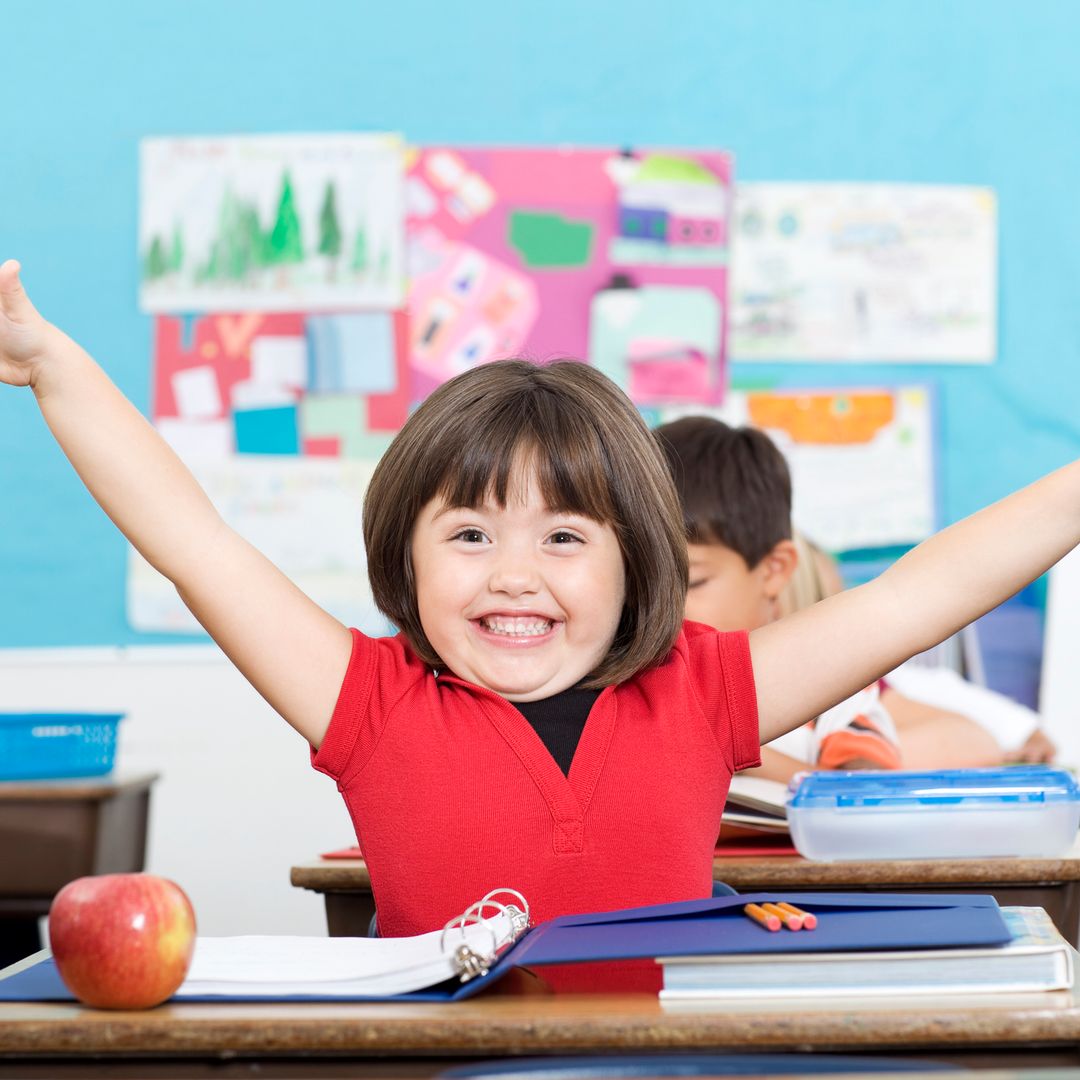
(954, 91)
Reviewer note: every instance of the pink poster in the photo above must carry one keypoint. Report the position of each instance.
(618, 258)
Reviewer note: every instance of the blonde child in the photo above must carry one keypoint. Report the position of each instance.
(524, 534)
(995, 729)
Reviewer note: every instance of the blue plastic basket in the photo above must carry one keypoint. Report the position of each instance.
(39, 746)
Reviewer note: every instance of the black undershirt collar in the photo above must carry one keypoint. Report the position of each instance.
(559, 721)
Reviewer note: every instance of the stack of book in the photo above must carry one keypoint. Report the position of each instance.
(1037, 958)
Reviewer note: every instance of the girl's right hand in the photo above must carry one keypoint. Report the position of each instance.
(24, 334)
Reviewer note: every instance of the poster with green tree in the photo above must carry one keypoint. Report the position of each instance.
(272, 223)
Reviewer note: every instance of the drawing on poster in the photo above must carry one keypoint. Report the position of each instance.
(512, 252)
(271, 223)
(900, 272)
(862, 460)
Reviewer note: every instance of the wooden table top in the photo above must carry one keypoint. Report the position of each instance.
(742, 871)
(503, 1023)
(76, 788)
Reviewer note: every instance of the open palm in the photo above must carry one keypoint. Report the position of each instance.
(23, 332)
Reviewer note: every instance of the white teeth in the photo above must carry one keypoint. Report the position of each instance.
(528, 627)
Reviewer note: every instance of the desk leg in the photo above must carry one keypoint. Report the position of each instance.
(348, 914)
(1068, 918)
(19, 938)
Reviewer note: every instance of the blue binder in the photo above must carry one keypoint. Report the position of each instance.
(846, 922)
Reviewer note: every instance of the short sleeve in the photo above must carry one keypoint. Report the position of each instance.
(380, 671)
(741, 694)
(724, 680)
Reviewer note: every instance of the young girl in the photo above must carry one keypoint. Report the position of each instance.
(524, 534)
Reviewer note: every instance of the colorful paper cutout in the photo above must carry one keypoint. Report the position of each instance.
(547, 241)
(825, 419)
(672, 211)
(352, 353)
(280, 361)
(466, 307)
(267, 430)
(196, 393)
(335, 417)
(661, 342)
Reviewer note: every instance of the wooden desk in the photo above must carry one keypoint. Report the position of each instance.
(52, 831)
(419, 1039)
(1053, 884)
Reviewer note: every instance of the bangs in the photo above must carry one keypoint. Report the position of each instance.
(539, 439)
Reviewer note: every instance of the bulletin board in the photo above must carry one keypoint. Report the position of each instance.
(340, 279)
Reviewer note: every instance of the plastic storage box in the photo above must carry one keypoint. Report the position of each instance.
(40, 746)
(1025, 810)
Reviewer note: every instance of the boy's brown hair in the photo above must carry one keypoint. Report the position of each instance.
(734, 485)
(593, 455)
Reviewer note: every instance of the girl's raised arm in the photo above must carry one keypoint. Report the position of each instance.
(292, 652)
(809, 661)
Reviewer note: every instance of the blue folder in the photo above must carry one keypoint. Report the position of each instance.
(847, 922)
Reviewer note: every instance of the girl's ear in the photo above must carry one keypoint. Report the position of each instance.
(779, 565)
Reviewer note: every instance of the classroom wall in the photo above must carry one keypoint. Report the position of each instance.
(237, 803)
(960, 92)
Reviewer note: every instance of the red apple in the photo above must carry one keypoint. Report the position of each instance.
(122, 941)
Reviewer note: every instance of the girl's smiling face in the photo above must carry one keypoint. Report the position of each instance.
(520, 599)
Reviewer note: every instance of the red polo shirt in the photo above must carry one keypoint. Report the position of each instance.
(453, 794)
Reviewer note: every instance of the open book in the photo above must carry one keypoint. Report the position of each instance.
(757, 803)
(270, 966)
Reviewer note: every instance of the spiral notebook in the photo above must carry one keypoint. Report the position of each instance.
(477, 948)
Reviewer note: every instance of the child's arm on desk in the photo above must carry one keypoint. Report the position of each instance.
(808, 661)
(292, 651)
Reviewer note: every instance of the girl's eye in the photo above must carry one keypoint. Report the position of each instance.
(563, 536)
(470, 536)
(697, 584)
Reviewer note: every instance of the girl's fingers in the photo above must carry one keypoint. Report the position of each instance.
(13, 298)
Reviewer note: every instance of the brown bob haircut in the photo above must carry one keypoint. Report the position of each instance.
(593, 456)
(734, 485)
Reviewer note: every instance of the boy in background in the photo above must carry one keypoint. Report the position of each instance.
(735, 489)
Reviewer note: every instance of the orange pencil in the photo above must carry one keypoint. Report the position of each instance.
(809, 921)
(760, 915)
(788, 918)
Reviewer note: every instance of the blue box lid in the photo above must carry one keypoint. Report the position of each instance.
(50, 718)
(936, 788)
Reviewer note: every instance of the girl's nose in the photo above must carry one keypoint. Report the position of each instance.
(514, 575)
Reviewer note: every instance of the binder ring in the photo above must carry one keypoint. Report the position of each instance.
(470, 961)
